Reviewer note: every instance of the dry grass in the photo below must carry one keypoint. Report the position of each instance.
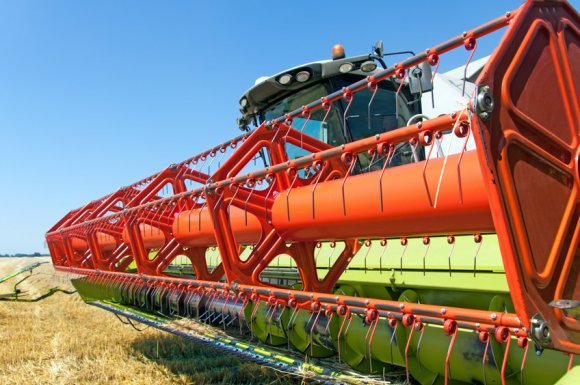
(60, 340)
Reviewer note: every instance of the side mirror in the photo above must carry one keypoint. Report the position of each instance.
(378, 49)
(420, 78)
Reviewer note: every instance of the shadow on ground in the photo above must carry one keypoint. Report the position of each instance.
(192, 363)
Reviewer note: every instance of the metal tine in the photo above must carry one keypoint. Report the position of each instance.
(252, 184)
(404, 243)
(327, 328)
(486, 337)
(234, 188)
(427, 243)
(333, 247)
(348, 97)
(367, 337)
(384, 245)
(319, 247)
(219, 201)
(524, 360)
(351, 160)
(373, 155)
(470, 44)
(305, 115)
(372, 86)
(223, 151)
(401, 75)
(269, 314)
(464, 129)
(312, 329)
(451, 241)
(270, 179)
(224, 310)
(372, 336)
(289, 171)
(199, 214)
(213, 158)
(505, 358)
(197, 197)
(289, 122)
(409, 338)
(477, 238)
(369, 244)
(426, 163)
(455, 125)
(203, 158)
(289, 327)
(390, 153)
(318, 166)
(344, 319)
(450, 328)
(245, 304)
(253, 315)
(434, 61)
(393, 335)
(421, 327)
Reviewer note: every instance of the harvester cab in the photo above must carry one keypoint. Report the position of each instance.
(391, 104)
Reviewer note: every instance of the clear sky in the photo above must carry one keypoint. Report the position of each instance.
(95, 95)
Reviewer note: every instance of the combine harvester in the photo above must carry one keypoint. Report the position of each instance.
(348, 224)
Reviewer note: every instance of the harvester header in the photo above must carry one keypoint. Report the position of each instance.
(359, 219)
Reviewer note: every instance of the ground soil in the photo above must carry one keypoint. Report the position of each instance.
(61, 340)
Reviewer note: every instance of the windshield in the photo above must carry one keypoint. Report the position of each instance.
(328, 131)
(366, 116)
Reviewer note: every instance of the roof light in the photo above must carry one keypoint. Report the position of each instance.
(368, 66)
(338, 52)
(243, 102)
(285, 79)
(345, 67)
(302, 76)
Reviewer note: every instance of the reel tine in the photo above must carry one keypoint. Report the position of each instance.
(451, 241)
(404, 243)
(376, 322)
(384, 244)
(470, 44)
(505, 358)
(478, 238)
(421, 329)
(450, 328)
(312, 330)
(527, 345)
(409, 338)
(289, 172)
(369, 245)
(484, 336)
(350, 159)
(393, 323)
(427, 243)
(289, 327)
(344, 319)
(389, 156)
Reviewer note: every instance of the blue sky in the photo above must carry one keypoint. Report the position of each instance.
(96, 95)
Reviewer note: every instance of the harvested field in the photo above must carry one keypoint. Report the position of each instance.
(60, 340)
